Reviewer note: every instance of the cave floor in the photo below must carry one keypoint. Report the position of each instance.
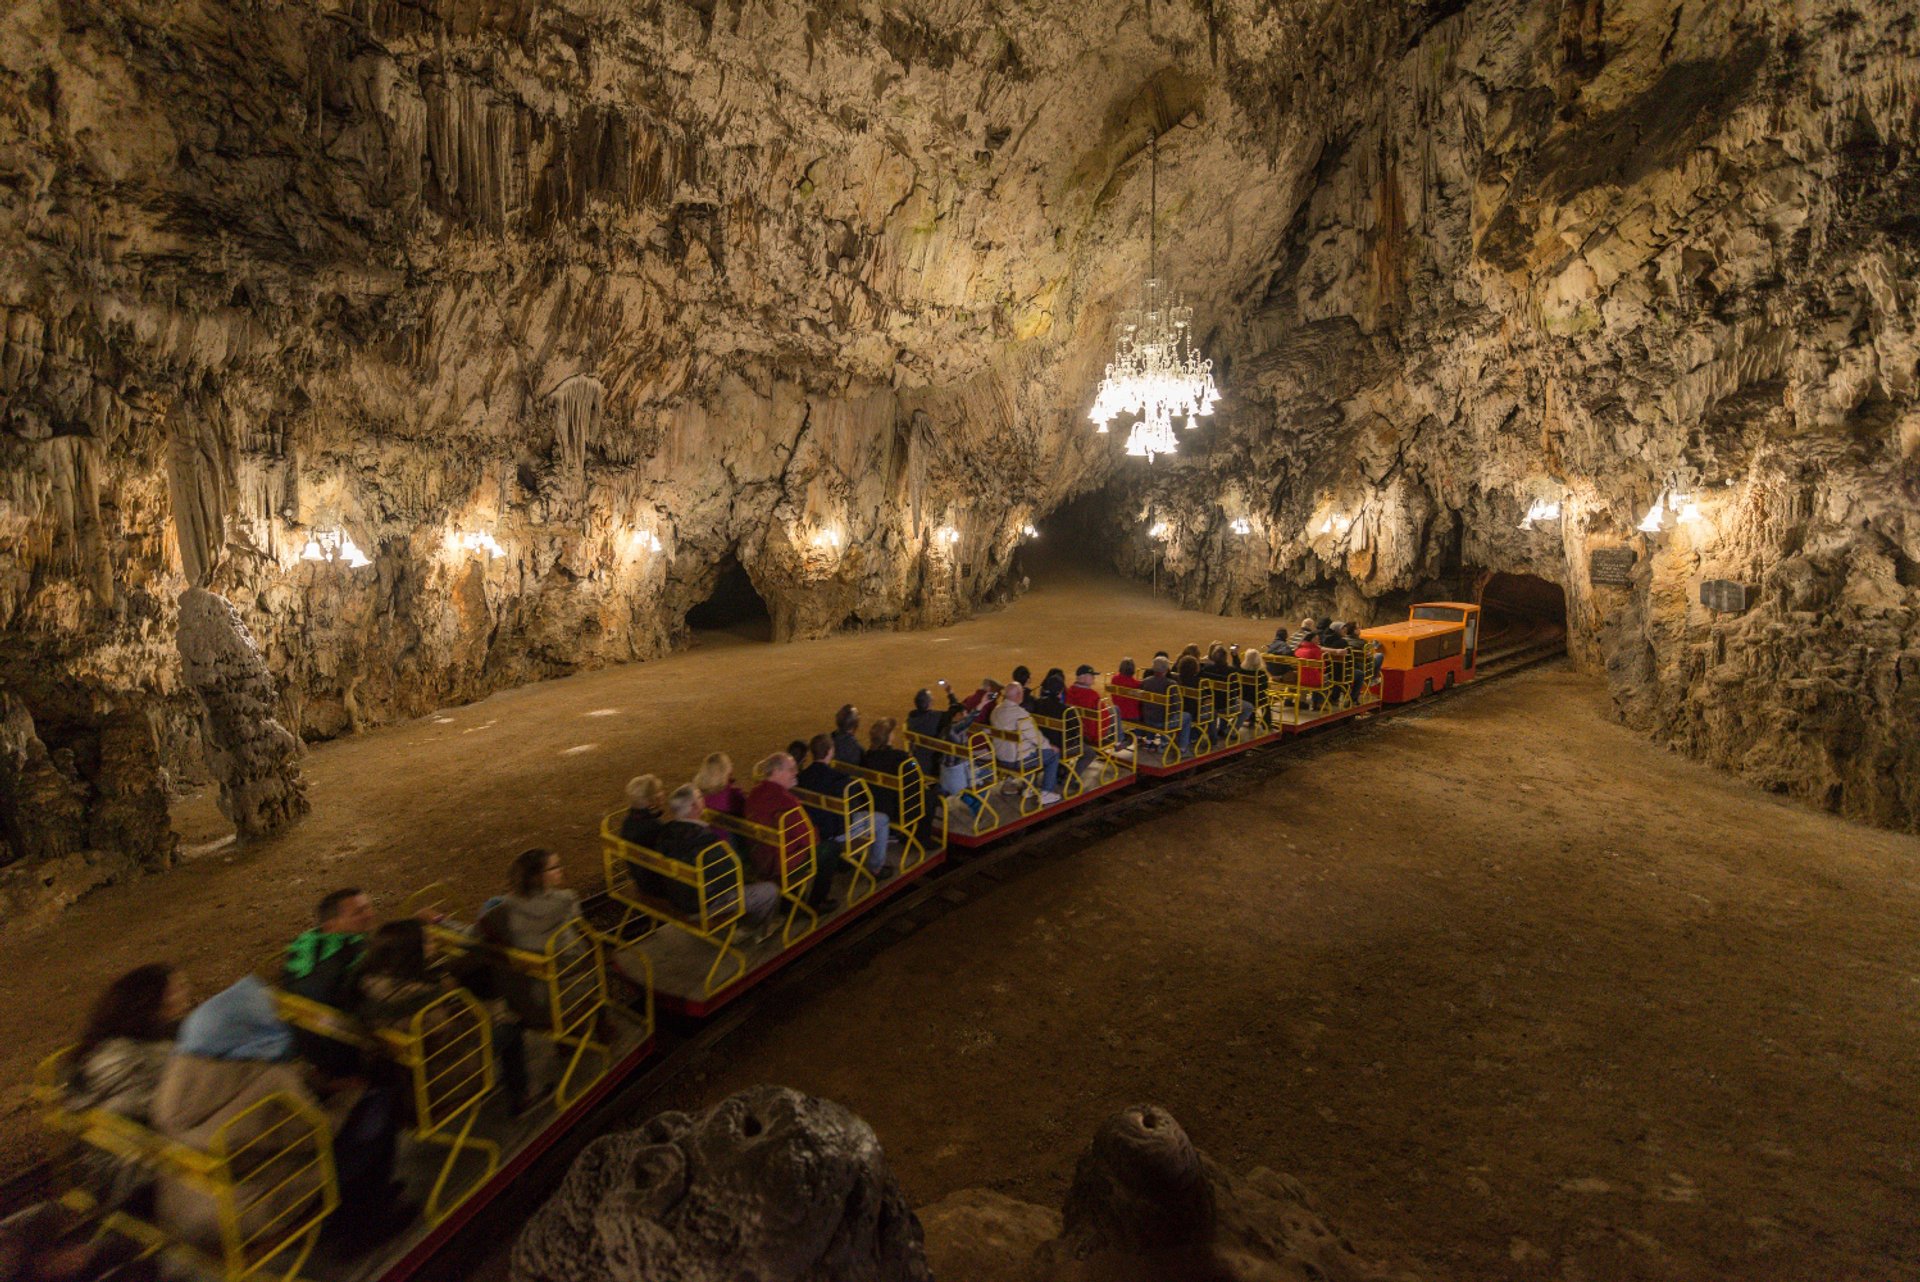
(1516, 993)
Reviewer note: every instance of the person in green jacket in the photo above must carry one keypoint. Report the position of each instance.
(319, 964)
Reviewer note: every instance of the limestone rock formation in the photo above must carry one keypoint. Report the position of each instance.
(555, 310)
(254, 758)
(1597, 254)
(1146, 1206)
(769, 1185)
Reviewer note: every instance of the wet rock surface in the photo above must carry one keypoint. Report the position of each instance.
(769, 1185)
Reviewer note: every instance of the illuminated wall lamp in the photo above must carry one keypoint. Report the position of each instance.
(485, 544)
(1541, 510)
(1159, 530)
(1335, 524)
(947, 534)
(827, 540)
(334, 547)
(1241, 525)
(643, 540)
(1029, 532)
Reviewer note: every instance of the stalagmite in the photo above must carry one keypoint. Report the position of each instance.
(254, 757)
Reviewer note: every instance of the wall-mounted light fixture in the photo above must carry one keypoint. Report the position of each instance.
(640, 540)
(1028, 531)
(827, 539)
(484, 544)
(1159, 530)
(1241, 525)
(1336, 523)
(334, 547)
(1542, 510)
(947, 534)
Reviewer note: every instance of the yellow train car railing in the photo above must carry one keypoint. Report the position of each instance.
(569, 972)
(1022, 772)
(268, 1177)
(909, 784)
(854, 809)
(798, 847)
(1072, 748)
(1220, 703)
(976, 754)
(1149, 741)
(1100, 732)
(447, 1050)
(716, 878)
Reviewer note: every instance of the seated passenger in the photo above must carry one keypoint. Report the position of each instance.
(1224, 673)
(1186, 684)
(319, 962)
(1027, 744)
(645, 805)
(1308, 627)
(718, 791)
(1022, 677)
(1311, 674)
(769, 805)
(1253, 669)
(537, 909)
(1280, 644)
(1091, 706)
(1168, 716)
(1125, 679)
(1052, 704)
(399, 979)
(798, 751)
(846, 735)
(116, 1068)
(883, 754)
(1357, 642)
(932, 723)
(981, 702)
(821, 777)
(234, 1051)
(536, 906)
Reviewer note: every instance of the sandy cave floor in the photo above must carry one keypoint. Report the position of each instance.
(1516, 993)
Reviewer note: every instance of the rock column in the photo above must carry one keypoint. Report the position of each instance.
(254, 757)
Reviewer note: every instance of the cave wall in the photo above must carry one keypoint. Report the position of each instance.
(1592, 252)
(631, 290)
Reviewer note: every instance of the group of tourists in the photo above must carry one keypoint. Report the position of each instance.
(149, 1054)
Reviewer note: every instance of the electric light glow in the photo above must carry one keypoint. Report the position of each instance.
(1241, 525)
(1542, 510)
(334, 547)
(479, 542)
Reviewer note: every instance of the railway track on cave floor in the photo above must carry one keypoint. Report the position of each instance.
(685, 1046)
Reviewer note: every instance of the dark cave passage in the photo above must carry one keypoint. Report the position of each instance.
(733, 611)
(1519, 606)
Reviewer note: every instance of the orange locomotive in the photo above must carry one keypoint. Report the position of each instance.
(1433, 650)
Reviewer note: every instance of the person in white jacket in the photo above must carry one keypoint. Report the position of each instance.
(1008, 714)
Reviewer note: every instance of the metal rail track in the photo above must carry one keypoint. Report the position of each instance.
(685, 1044)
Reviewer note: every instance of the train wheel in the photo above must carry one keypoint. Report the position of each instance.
(1428, 689)
(1449, 680)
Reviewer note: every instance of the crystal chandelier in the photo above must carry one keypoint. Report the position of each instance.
(1155, 372)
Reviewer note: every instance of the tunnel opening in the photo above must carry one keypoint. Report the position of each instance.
(1519, 609)
(733, 612)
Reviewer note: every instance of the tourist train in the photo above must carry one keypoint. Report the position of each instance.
(675, 929)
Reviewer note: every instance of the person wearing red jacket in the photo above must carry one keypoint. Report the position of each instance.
(1096, 728)
(1125, 679)
(1309, 653)
(768, 805)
